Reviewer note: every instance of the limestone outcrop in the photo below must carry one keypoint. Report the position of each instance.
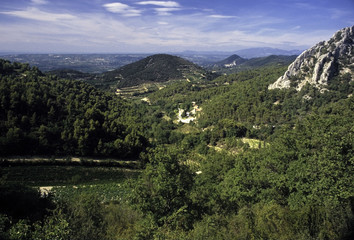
(320, 63)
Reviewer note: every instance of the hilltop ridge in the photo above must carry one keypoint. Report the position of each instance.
(155, 68)
(235, 63)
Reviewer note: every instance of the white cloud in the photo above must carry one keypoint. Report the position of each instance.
(39, 2)
(168, 4)
(36, 14)
(304, 6)
(100, 32)
(165, 11)
(123, 9)
(221, 16)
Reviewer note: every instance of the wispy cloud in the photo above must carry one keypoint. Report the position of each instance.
(337, 13)
(165, 11)
(36, 14)
(221, 16)
(304, 5)
(39, 2)
(167, 4)
(162, 8)
(122, 9)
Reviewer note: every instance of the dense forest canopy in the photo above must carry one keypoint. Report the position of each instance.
(45, 115)
(256, 164)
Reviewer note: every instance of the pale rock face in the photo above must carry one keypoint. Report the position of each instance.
(234, 63)
(320, 63)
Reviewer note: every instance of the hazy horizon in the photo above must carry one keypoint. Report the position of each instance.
(137, 27)
(211, 52)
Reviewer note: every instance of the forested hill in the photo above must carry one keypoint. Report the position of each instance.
(235, 63)
(155, 68)
(42, 114)
(231, 61)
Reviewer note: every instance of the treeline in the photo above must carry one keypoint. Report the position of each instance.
(48, 116)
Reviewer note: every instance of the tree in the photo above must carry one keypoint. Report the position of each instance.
(163, 189)
(54, 228)
(84, 214)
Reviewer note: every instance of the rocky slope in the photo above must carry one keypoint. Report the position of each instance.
(320, 63)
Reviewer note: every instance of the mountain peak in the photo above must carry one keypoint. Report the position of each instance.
(320, 63)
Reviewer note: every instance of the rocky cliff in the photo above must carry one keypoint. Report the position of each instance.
(320, 63)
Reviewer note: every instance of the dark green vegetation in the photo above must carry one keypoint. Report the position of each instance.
(257, 163)
(46, 115)
(61, 175)
(156, 68)
(70, 74)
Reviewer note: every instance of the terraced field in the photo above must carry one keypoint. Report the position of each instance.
(61, 172)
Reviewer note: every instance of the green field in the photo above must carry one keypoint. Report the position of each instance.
(63, 182)
(52, 175)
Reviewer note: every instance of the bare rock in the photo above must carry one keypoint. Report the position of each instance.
(320, 63)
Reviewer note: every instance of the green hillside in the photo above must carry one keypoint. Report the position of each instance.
(270, 60)
(156, 68)
(235, 64)
(231, 61)
(42, 114)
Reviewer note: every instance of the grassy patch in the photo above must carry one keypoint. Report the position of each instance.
(188, 129)
(117, 192)
(64, 175)
(253, 143)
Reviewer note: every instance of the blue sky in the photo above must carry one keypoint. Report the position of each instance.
(136, 26)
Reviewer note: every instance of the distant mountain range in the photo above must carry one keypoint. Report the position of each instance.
(246, 53)
(99, 63)
(265, 51)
